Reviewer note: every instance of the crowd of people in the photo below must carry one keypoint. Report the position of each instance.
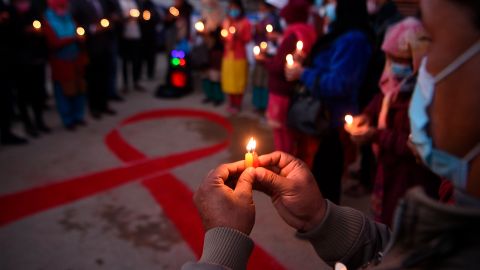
(412, 87)
(81, 42)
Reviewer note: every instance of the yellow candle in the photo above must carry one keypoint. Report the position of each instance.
(251, 157)
(135, 13)
(269, 28)
(147, 15)
(199, 26)
(299, 46)
(349, 119)
(37, 24)
(289, 60)
(104, 23)
(80, 31)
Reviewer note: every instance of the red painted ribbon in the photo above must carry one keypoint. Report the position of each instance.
(170, 193)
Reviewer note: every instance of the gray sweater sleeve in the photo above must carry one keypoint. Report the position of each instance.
(223, 248)
(347, 236)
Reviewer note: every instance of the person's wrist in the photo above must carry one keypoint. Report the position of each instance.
(316, 218)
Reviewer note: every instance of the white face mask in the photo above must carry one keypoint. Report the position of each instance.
(442, 163)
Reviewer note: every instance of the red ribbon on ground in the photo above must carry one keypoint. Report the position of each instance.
(170, 193)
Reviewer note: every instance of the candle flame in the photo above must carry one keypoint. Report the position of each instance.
(174, 11)
(37, 24)
(80, 31)
(269, 28)
(104, 23)
(349, 119)
(252, 144)
(199, 26)
(256, 50)
(147, 15)
(289, 59)
(299, 45)
(224, 33)
(232, 30)
(263, 45)
(135, 13)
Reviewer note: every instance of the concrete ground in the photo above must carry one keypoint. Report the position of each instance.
(124, 227)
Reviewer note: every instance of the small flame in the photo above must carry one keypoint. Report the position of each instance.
(269, 28)
(37, 24)
(232, 30)
(135, 13)
(263, 45)
(299, 45)
(289, 59)
(256, 50)
(104, 23)
(174, 11)
(252, 144)
(349, 119)
(199, 26)
(147, 15)
(224, 33)
(80, 31)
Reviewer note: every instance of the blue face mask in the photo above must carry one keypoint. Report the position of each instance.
(401, 71)
(442, 163)
(330, 12)
(234, 13)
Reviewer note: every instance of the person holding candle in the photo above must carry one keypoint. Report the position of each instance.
(234, 71)
(212, 17)
(385, 122)
(268, 20)
(148, 27)
(334, 72)
(99, 45)
(29, 49)
(427, 234)
(67, 63)
(295, 13)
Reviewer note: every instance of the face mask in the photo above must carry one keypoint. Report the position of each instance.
(234, 13)
(440, 162)
(401, 71)
(330, 12)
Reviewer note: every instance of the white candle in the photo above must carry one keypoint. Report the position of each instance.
(349, 119)
(37, 24)
(263, 45)
(269, 28)
(232, 30)
(135, 13)
(299, 46)
(174, 11)
(104, 23)
(224, 33)
(146, 15)
(199, 26)
(80, 31)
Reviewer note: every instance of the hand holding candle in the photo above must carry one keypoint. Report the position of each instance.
(251, 157)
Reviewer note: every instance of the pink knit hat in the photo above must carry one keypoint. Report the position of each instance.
(407, 39)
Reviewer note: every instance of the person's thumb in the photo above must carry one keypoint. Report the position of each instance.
(244, 186)
(267, 181)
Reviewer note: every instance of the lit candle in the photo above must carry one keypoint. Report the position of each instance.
(37, 24)
(232, 30)
(134, 13)
(269, 28)
(146, 15)
(256, 50)
(224, 33)
(349, 119)
(199, 26)
(263, 45)
(80, 31)
(251, 157)
(104, 23)
(289, 60)
(299, 46)
(174, 11)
